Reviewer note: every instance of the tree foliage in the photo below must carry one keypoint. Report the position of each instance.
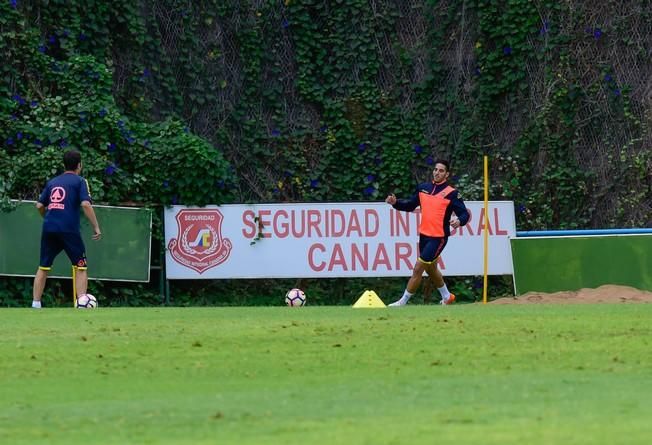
(214, 101)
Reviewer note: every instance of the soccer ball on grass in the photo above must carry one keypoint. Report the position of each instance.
(295, 298)
(86, 301)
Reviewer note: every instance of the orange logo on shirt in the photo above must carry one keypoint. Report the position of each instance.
(57, 195)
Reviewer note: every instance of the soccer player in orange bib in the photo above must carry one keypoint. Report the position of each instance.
(441, 209)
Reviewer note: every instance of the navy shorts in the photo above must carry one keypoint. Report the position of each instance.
(52, 243)
(430, 248)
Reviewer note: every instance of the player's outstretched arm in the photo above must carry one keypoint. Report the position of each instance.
(406, 205)
(90, 214)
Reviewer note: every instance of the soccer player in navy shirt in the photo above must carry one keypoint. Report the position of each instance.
(438, 202)
(59, 205)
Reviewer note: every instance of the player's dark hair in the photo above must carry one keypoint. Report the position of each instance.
(71, 160)
(445, 163)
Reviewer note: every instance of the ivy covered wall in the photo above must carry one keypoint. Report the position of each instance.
(334, 100)
(218, 101)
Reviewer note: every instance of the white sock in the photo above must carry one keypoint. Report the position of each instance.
(443, 291)
(36, 304)
(406, 297)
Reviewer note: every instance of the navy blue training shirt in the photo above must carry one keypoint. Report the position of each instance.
(62, 198)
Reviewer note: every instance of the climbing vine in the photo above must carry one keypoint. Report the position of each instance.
(214, 101)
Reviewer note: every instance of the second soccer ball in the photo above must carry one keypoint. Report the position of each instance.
(295, 298)
(86, 301)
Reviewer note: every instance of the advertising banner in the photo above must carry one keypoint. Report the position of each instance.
(324, 240)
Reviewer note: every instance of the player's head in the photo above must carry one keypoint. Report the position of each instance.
(441, 171)
(72, 160)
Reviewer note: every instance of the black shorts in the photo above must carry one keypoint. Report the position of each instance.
(52, 243)
(430, 248)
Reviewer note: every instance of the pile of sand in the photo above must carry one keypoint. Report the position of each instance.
(608, 293)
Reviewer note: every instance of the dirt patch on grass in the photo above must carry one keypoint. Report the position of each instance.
(604, 294)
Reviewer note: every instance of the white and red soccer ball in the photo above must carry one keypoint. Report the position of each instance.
(295, 298)
(86, 301)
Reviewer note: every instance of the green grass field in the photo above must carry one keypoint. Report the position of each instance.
(465, 374)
